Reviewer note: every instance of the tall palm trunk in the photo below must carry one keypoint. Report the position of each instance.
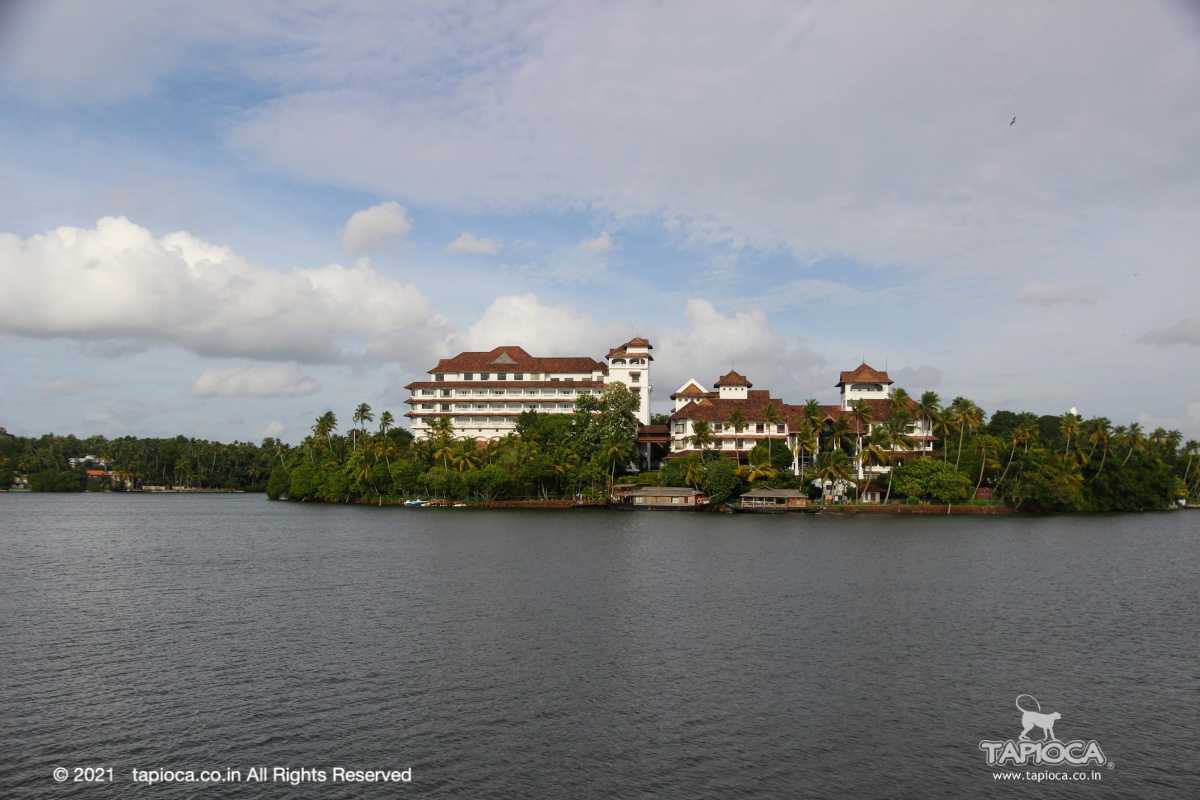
(962, 429)
(1103, 457)
(982, 466)
(887, 497)
(1004, 474)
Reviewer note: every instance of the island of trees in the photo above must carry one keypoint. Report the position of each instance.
(1020, 460)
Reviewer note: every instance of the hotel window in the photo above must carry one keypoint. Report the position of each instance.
(758, 427)
(484, 376)
(445, 406)
(635, 376)
(445, 392)
(679, 427)
(427, 406)
(779, 427)
(441, 376)
(741, 444)
(468, 376)
(518, 376)
(501, 376)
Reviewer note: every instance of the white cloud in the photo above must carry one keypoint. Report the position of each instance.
(273, 429)
(117, 281)
(599, 107)
(470, 243)
(255, 380)
(371, 227)
(540, 328)
(712, 343)
(601, 244)
(1184, 332)
(1050, 293)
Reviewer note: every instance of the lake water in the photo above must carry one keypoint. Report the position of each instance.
(587, 653)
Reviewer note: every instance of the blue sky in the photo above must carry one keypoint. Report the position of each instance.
(221, 220)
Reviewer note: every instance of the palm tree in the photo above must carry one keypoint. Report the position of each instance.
(929, 406)
(806, 440)
(839, 432)
(386, 422)
(877, 451)
(362, 415)
(1134, 437)
(702, 434)
(1190, 449)
(693, 473)
(834, 467)
(900, 406)
(1022, 434)
(760, 472)
(615, 451)
(464, 455)
(987, 454)
(1068, 426)
(738, 420)
(772, 417)
(1099, 435)
(860, 415)
(968, 416)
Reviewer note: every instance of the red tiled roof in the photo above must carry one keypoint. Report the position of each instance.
(638, 341)
(511, 358)
(715, 409)
(690, 390)
(863, 373)
(620, 352)
(732, 378)
(580, 384)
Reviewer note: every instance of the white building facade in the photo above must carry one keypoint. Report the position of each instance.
(483, 393)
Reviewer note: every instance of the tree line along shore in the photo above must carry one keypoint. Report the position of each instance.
(1014, 460)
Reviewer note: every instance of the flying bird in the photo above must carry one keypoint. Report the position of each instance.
(1012, 122)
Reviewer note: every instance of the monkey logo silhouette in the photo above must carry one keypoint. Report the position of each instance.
(1036, 719)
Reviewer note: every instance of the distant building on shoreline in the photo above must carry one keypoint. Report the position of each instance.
(769, 418)
(484, 393)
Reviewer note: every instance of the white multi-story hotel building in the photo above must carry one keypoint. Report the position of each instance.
(765, 417)
(483, 394)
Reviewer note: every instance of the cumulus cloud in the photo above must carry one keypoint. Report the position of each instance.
(541, 328)
(371, 227)
(117, 281)
(711, 343)
(273, 429)
(1184, 332)
(255, 380)
(470, 243)
(1050, 293)
(601, 244)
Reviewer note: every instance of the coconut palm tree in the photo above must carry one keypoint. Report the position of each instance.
(987, 458)
(967, 416)
(702, 434)
(772, 417)
(1190, 450)
(693, 471)
(839, 432)
(738, 420)
(1023, 434)
(876, 452)
(929, 406)
(1134, 439)
(362, 415)
(806, 440)
(761, 472)
(835, 467)
(860, 416)
(1068, 426)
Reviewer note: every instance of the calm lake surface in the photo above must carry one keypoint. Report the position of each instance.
(588, 654)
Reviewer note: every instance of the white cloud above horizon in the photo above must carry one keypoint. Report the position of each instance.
(118, 282)
(468, 242)
(371, 227)
(601, 244)
(255, 380)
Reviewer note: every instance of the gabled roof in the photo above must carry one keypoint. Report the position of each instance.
(511, 358)
(863, 373)
(716, 409)
(638, 341)
(733, 378)
(691, 389)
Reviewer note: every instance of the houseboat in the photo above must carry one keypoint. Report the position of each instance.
(654, 497)
(773, 501)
